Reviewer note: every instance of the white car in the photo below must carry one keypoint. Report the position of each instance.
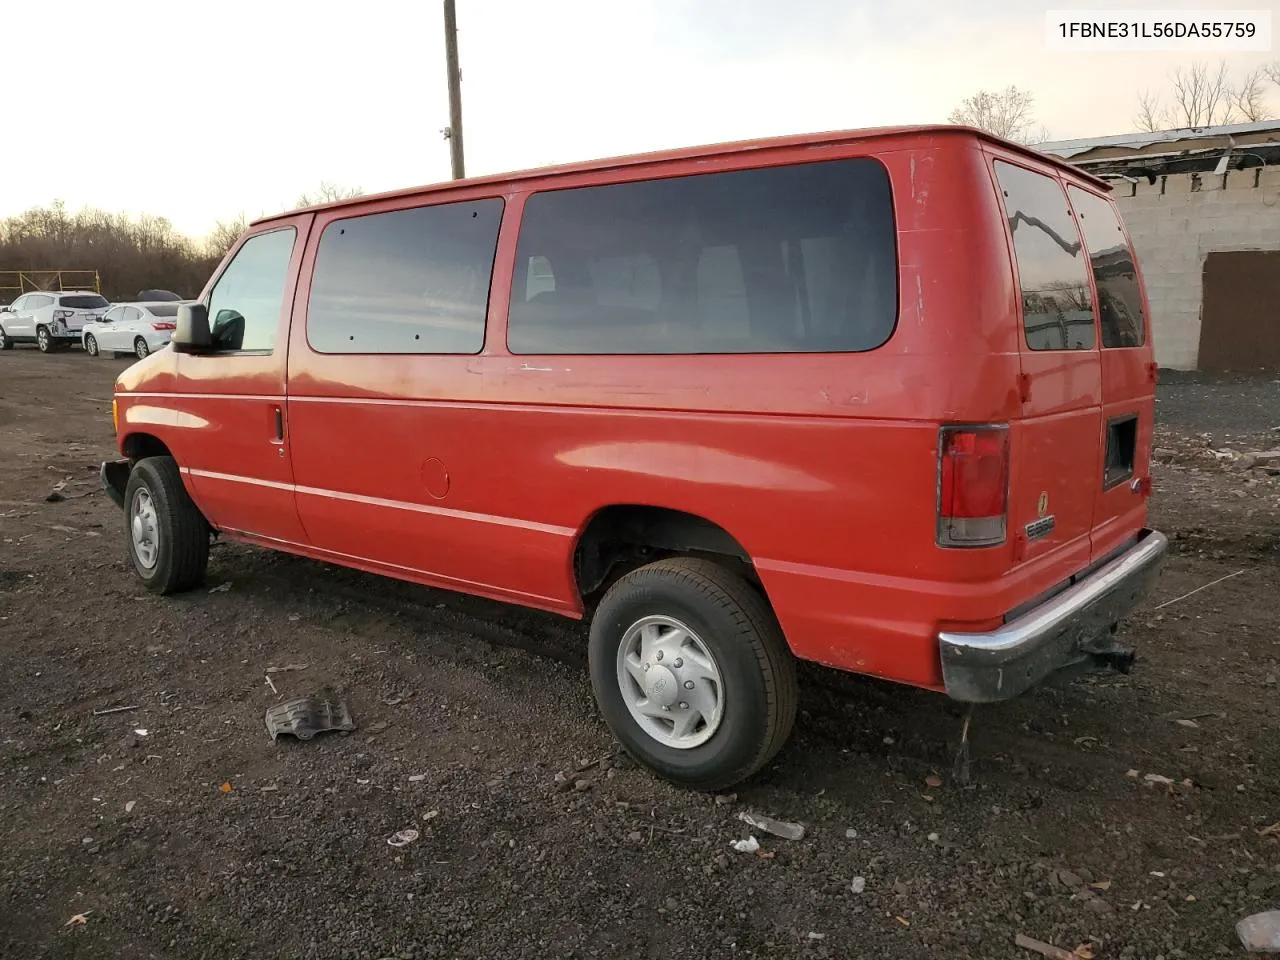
(137, 328)
(53, 320)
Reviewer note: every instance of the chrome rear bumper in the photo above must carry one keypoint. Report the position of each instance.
(1071, 627)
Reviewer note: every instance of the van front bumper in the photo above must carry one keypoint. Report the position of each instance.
(1073, 627)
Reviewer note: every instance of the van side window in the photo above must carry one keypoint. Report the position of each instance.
(793, 259)
(244, 307)
(1115, 273)
(405, 281)
(1057, 309)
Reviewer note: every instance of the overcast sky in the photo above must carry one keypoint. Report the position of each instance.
(200, 110)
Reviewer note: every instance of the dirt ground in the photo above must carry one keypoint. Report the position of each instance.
(178, 829)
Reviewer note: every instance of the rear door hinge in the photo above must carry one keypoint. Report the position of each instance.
(1024, 387)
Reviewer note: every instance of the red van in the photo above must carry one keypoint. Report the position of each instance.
(881, 400)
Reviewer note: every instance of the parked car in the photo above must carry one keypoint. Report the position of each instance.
(138, 328)
(157, 296)
(859, 399)
(50, 319)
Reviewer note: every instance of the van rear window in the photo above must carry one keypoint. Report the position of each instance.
(1057, 309)
(794, 259)
(1115, 273)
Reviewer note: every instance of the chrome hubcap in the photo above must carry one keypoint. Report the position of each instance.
(670, 682)
(142, 349)
(93, 345)
(144, 529)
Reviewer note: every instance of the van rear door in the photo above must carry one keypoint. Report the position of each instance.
(1055, 444)
(1128, 373)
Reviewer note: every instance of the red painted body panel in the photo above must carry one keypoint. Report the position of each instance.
(479, 473)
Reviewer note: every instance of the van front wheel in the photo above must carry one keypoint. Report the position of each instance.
(168, 537)
(692, 673)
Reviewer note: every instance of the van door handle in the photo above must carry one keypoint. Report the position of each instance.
(279, 425)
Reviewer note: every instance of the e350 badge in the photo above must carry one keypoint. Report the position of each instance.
(1041, 527)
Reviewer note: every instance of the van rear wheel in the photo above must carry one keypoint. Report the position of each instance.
(168, 537)
(692, 673)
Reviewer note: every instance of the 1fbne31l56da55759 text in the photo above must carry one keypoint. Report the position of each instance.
(1136, 30)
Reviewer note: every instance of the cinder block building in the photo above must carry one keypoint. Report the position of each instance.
(1203, 208)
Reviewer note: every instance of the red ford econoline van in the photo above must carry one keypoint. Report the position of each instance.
(881, 400)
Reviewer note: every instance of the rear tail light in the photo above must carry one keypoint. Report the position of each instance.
(63, 314)
(164, 326)
(973, 486)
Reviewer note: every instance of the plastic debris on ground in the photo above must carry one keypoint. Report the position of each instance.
(1260, 933)
(304, 717)
(749, 845)
(402, 838)
(779, 828)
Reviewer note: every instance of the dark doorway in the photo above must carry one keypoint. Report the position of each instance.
(1240, 316)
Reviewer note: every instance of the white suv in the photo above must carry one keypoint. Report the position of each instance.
(52, 320)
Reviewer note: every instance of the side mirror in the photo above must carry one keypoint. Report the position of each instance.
(191, 331)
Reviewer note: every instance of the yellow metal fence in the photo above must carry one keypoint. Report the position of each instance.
(14, 283)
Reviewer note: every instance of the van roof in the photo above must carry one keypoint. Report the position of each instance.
(706, 151)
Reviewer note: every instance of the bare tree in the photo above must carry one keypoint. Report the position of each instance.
(1250, 96)
(1150, 116)
(327, 193)
(1272, 70)
(224, 235)
(1007, 113)
(1203, 96)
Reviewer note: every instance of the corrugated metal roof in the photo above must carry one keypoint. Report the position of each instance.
(1139, 141)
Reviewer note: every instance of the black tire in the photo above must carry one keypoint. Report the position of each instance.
(182, 540)
(736, 625)
(91, 344)
(5, 342)
(140, 348)
(43, 340)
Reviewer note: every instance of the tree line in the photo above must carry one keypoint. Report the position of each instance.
(130, 253)
(1195, 95)
(133, 253)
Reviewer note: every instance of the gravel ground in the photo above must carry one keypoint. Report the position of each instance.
(177, 829)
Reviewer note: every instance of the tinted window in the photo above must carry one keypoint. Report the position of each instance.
(406, 281)
(84, 302)
(163, 309)
(1057, 310)
(1114, 272)
(244, 308)
(798, 259)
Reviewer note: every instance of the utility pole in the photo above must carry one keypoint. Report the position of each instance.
(454, 133)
